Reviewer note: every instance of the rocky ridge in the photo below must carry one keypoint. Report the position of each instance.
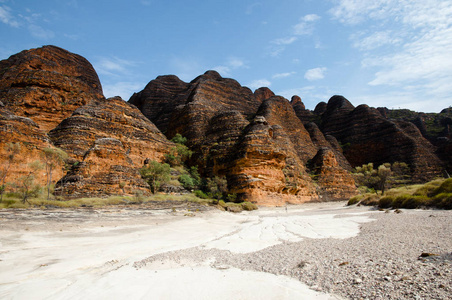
(271, 150)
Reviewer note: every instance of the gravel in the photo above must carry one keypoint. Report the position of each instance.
(398, 256)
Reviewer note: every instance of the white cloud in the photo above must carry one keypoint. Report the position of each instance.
(231, 64)
(285, 41)
(40, 33)
(315, 74)
(375, 40)
(113, 65)
(7, 18)
(311, 95)
(283, 75)
(122, 89)
(356, 11)
(306, 25)
(417, 34)
(255, 84)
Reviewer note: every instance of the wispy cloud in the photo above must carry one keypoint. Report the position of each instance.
(231, 64)
(122, 89)
(315, 74)
(283, 75)
(40, 33)
(113, 65)
(285, 41)
(306, 25)
(7, 18)
(255, 84)
(418, 61)
(375, 40)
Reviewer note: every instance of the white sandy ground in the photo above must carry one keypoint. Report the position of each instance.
(66, 256)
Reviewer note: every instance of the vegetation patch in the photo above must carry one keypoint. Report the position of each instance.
(433, 194)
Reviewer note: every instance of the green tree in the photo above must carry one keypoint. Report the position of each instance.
(179, 153)
(52, 157)
(155, 174)
(179, 139)
(27, 186)
(385, 176)
(217, 187)
(12, 149)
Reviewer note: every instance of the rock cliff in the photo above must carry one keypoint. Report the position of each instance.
(109, 139)
(367, 136)
(271, 151)
(32, 140)
(47, 84)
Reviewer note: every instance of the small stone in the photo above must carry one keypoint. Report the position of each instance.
(357, 281)
(387, 278)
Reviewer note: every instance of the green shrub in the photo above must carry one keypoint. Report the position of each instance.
(386, 202)
(442, 200)
(412, 202)
(232, 197)
(201, 194)
(354, 200)
(248, 206)
(399, 200)
(187, 181)
(222, 203)
(445, 187)
(234, 207)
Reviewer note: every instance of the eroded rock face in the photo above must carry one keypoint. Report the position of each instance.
(367, 136)
(321, 141)
(264, 161)
(266, 169)
(110, 139)
(32, 141)
(336, 183)
(47, 84)
(278, 111)
(302, 113)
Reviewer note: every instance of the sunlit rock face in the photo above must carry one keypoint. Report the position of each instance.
(25, 132)
(110, 139)
(47, 84)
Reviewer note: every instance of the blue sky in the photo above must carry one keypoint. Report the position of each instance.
(393, 53)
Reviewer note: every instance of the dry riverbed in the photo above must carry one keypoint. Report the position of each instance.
(311, 251)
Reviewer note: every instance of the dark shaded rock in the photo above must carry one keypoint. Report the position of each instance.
(263, 93)
(302, 113)
(320, 141)
(320, 108)
(366, 136)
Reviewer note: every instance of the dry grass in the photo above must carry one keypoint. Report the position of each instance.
(13, 201)
(433, 194)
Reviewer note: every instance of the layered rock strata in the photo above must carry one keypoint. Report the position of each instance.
(366, 136)
(110, 139)
(47, 84)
